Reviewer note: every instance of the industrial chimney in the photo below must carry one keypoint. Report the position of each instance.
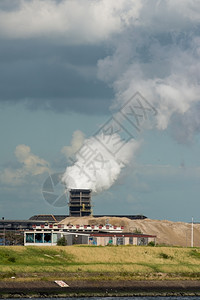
(80, 203)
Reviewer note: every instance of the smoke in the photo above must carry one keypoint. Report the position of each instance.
(159, 57)
(156, 53)
(97, 164)
(76, 143)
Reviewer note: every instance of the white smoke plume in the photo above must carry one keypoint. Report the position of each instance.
(77, 141)
(159, 56)
(97, 166)
(156, 53)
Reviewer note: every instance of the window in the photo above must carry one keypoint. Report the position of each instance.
(120, 240)
(92, 241)
(39, 238)
(131, 240)
(47, 237)
(141, 241)
(29, 237)
(55, 238)
(95, 241)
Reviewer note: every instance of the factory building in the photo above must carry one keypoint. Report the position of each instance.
(47, 229)
(80, 203)
(80, 206)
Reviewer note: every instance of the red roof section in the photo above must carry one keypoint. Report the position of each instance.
(123, 234)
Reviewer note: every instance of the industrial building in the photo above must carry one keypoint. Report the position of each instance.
(20, 225)
(80, 203)
(99, 235)
(46, 229)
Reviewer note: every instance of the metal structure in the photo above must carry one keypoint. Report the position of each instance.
(80, 203)
(59, 218)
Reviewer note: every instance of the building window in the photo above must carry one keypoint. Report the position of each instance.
(142, 241)
(30, 238)
(55, 238)
(120, 240)
(130, 240)
(47, 237)
(93, 241)
(39, 238)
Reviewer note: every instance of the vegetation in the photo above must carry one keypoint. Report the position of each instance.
(92, 262)
(62, 241)
(165, 256)
(137, 230)
(152, 244)
(195, 253)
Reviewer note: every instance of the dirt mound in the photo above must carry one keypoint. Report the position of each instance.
(167, 232)
(97, 221)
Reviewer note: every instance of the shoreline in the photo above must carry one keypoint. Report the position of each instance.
(50, 289)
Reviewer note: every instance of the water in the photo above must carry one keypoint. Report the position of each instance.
(115, 298)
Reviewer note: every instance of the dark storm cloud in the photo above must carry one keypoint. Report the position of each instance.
(54, 77)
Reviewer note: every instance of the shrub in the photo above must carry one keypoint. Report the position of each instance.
(11, 259)
(137, 230)
(165, 256)
(62, 241)
(152, 244)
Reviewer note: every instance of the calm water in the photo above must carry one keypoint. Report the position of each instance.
(116, 298)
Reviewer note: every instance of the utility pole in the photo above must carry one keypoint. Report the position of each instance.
(4, 231)
(192, 234)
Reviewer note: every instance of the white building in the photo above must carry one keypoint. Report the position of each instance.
(48, 235)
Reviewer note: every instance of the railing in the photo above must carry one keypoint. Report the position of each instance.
(78, 227)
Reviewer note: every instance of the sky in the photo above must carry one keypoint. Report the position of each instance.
(70, 68)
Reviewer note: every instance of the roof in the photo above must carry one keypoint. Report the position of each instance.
(59, 218)
(48, 218)
(20, 221)
(121, 234)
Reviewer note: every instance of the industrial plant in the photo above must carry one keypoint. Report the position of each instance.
(48, 229)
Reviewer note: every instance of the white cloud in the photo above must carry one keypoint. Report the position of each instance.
(31, 165)
(75, 21)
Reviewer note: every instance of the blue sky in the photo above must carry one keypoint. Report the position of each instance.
(66, 68)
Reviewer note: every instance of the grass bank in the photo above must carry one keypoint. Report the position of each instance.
(98, 263)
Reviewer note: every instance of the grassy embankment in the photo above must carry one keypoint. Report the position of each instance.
(99, 263)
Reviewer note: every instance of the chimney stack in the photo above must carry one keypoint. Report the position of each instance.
(80, 203)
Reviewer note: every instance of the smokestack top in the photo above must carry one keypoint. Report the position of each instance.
(80, 203)
(81, 190)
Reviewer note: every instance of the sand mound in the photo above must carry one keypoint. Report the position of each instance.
(167, 232)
